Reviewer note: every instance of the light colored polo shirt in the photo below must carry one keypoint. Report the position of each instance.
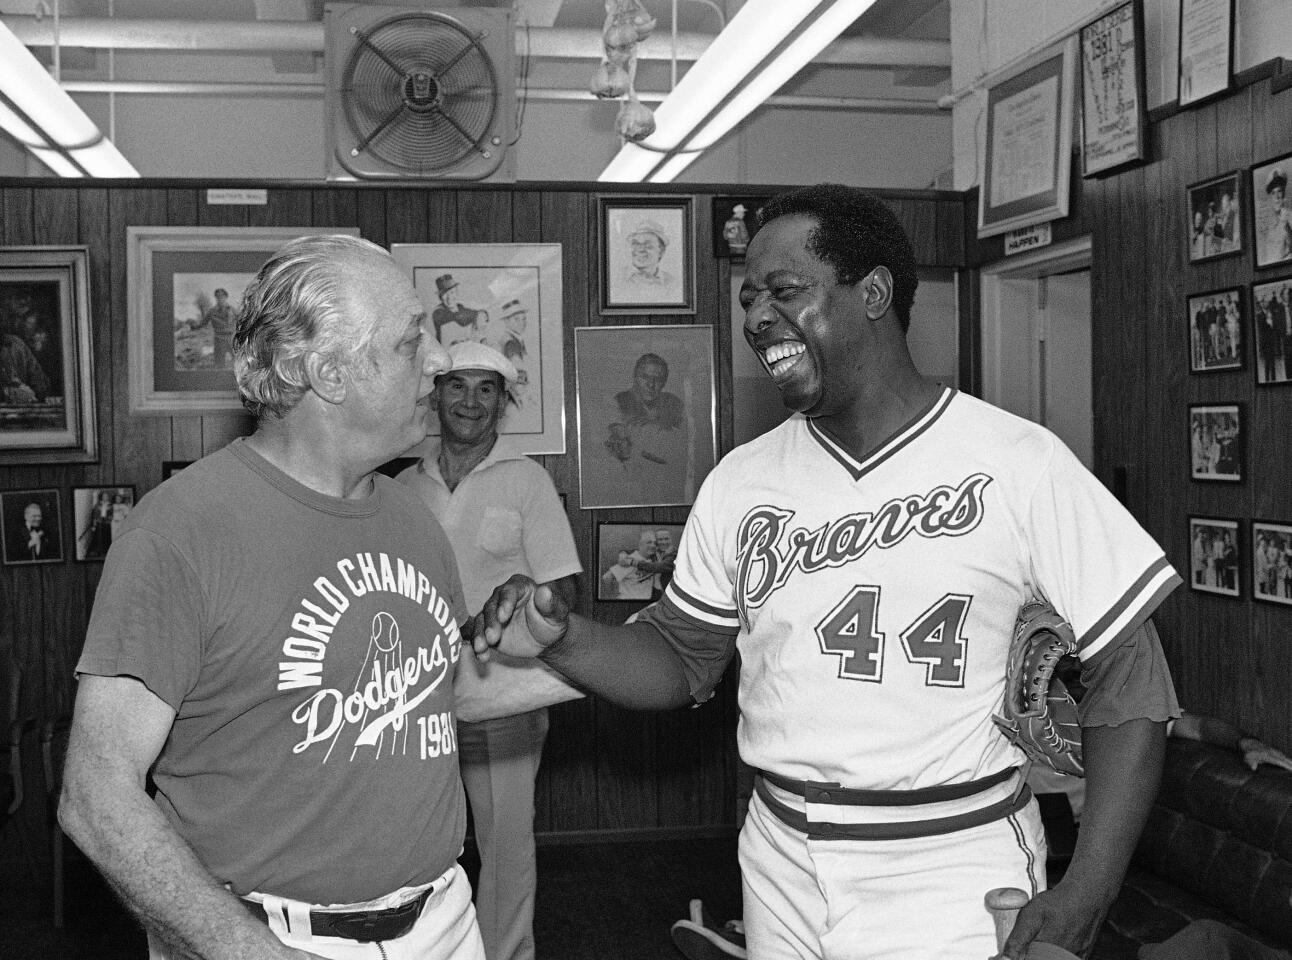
(504, 518)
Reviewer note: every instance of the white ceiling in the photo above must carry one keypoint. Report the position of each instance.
(204, 42)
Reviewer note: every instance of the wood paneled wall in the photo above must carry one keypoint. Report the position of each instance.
(605, 769)
(1230, 658)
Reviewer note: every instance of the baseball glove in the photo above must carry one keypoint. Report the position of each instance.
(1038, 713)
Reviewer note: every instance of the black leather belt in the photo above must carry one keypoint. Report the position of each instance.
(366, 926)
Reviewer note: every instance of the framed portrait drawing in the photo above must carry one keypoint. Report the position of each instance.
(184, 286)
(647, 255)
(1272, 562)
(1216, 442)
(1027, 151)
(1216, 330)
(1215, 225)
(1271, 212)
(97, 516)
(646, 414)
(47, 409)
(506, 295)
(1113, 112)
(635, 560)
(735, 221)
(32, 522)
(1206, 49)
(1213, 556)
(1272, 320)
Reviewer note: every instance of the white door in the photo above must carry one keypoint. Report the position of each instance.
(1036, 342)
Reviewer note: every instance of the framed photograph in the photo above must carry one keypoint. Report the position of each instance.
(1272, 562)
(647, 254)
(47, 409)
(507, 295)
(97, 516)
(735, 221)
(646, 414)
(172, 467)
(33, 526)
(1206, 49)
(1271, 212)
(1028, 148)
(1272, 317)
(1113, 112)
(1215, 228)
(635, 560)
(184, 286)
(1216, 442)
(1216, 325)
(1213, 556)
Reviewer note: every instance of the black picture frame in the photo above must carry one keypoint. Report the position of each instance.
(14, 508)
(1217, 328)
(1217, 442)
(1215, 568)
(96, 521)
(1205, 68)
(1027, 152)
(1271, 310)
(1213, 217)
(664, 285)
(1271, 212)
(45, 311)
(618, 545)
(1268, 584)
(1114, 114)
(730, 214)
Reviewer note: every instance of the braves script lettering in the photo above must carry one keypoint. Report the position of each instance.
(769, 550)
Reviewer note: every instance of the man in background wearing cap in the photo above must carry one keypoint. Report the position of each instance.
(1277, 241)
(502, 516)
(644, 280)
(454, 322)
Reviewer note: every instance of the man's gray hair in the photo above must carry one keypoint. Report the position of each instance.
(294, 307)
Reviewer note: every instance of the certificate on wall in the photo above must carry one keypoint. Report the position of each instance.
(1028, 146)
(1112, 90)
(1206, 48)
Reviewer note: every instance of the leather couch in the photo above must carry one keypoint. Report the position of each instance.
(1218, 845)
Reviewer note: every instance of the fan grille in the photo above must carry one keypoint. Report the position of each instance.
(419, 92)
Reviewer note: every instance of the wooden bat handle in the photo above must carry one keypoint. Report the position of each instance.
(1004, 904)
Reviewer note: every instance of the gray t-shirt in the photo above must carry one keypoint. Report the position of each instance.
(307, 644)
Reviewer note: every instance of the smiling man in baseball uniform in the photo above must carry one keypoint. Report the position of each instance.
(869, 557)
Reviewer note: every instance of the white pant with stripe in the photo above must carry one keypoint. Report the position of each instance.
(910, 898)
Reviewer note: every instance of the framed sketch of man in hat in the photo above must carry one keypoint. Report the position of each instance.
(647, 255)
(1272, 212)
(454, 321)
(508, 296)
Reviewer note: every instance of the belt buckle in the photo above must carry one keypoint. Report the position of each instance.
(373, 925)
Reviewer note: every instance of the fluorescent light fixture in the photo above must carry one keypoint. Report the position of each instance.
(40, 115)
(765, 44)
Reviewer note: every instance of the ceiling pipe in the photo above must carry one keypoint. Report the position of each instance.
(548, 43)
(313, 89)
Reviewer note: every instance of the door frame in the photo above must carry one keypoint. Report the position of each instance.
(1059, 258)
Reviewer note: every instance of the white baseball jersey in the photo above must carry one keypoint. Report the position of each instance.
(873, 601)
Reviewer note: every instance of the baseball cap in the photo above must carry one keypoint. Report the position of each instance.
(472, 355)
(650, 226)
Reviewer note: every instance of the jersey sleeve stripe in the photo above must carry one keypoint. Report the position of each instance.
(1134, 607)
(719, 619)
